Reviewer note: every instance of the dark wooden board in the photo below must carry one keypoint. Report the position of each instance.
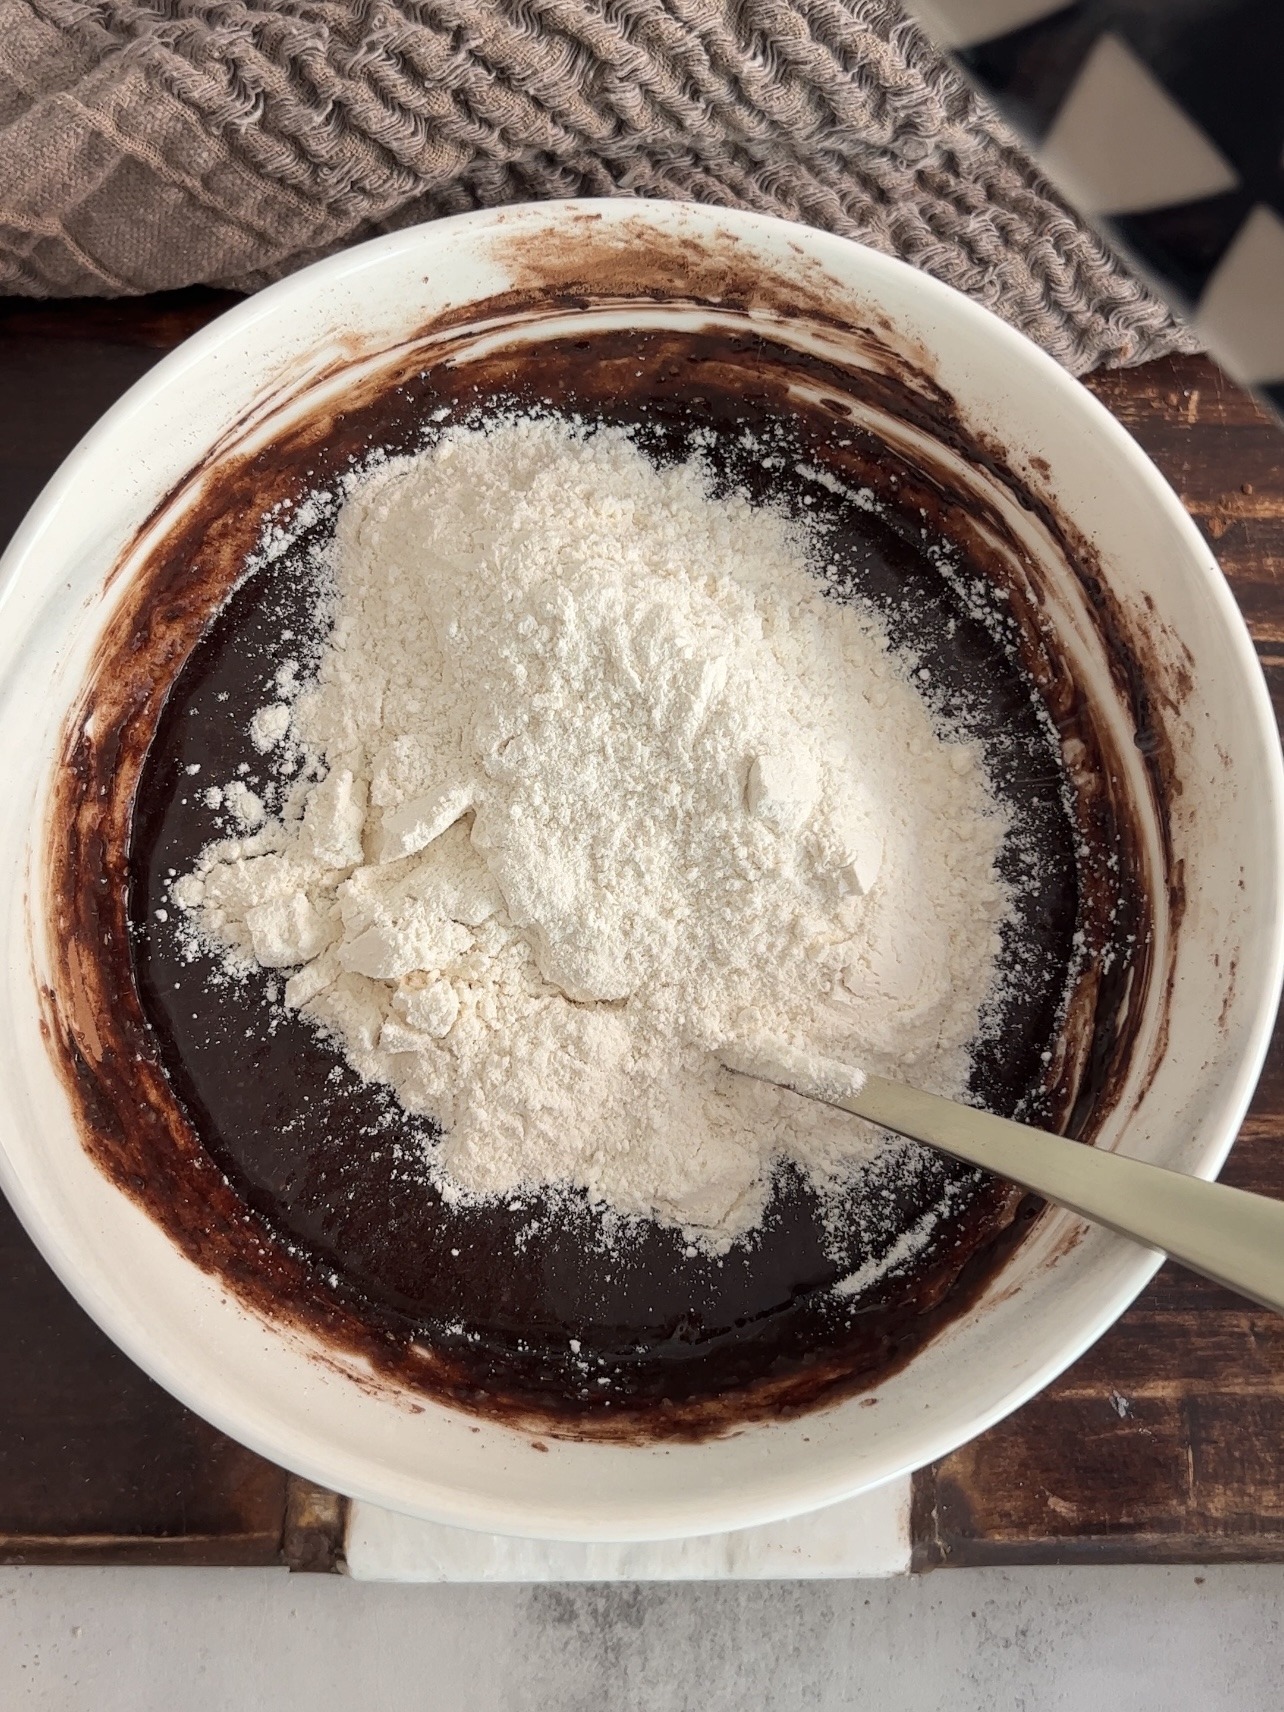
(1165, 1442)
(98, 1464)
(97, 1461)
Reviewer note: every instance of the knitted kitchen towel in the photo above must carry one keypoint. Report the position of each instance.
(148, 144)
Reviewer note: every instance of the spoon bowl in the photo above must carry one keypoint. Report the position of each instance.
(1229, 1235)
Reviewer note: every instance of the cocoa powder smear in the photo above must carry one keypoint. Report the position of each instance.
(272, 1163)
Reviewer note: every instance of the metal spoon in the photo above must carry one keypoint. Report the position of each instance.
(1227, 1234)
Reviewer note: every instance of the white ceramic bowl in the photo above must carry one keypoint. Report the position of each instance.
(1060, 1289)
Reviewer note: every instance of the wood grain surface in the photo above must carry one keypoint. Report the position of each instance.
(98, 1464)
(1165, 1442)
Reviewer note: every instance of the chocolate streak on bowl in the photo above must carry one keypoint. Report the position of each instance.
(272, 1228)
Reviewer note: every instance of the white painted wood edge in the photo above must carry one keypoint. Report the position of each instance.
(863, 1537)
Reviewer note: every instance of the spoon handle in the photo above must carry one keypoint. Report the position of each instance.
(1227, 1234)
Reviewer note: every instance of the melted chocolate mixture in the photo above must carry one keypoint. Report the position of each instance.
(267, 1157)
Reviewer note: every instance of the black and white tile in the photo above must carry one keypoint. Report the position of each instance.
(1162, 120)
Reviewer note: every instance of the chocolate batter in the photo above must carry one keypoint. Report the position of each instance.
(271, 1163)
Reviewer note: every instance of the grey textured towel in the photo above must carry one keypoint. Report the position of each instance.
(155, 143)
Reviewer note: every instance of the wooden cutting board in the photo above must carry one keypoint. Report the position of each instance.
(1165, 1443)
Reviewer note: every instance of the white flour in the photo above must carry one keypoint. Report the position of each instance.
(592, 780)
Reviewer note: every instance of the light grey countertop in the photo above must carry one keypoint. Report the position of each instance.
(1037, 1640)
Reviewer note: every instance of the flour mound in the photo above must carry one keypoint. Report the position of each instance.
(592, 779)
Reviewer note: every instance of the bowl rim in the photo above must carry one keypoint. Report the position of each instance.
(1134, 1270)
